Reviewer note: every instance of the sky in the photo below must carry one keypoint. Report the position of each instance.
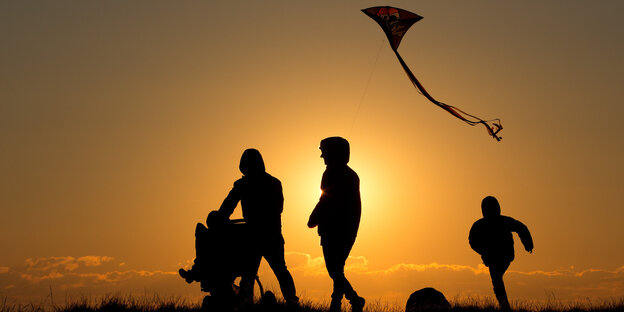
(122, 125)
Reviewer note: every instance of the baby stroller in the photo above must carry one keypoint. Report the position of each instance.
(223, 253)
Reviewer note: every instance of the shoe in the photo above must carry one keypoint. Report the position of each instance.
(357, 304)
(186, 275)
(292, 302)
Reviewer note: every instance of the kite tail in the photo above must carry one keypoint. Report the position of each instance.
(493, 126)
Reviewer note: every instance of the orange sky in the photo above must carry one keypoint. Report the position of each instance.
(122, 124)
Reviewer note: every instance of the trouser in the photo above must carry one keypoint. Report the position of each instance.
(274, 255)
(336, 254)
(496, 273)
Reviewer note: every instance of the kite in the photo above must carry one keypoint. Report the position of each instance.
(395, 23)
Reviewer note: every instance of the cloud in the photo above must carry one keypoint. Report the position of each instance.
(94, 260)
(586, 283)
(82, 273)
(359, 265)
(99, 275)
(120, 276)
(38, 278)
(51, 263)
(93, 275)
(305, 263)
(55, 268)
(480, 269)
(396, 282)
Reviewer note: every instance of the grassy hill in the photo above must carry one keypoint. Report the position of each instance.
(131, 304)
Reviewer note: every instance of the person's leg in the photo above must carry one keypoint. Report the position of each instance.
(335, 268)
(497, 270)
(274, 255)
(335, 260)
(336, 254)
(248, 278)
(201, 244)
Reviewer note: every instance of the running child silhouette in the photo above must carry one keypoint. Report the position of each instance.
(491, 237)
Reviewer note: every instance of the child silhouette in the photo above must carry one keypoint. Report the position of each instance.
(491, 237)
(337, 215)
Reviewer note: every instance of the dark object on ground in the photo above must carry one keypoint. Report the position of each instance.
(268, 300)
(427, 299)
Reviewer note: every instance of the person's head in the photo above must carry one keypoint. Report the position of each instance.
(335, 151)
(215, 220)
(490, 207)
(251, 162)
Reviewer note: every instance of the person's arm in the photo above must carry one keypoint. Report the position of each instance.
(523, 232)
(231, 200)
(279, 198)
(313, 221)
(475, 239)
(316, 215)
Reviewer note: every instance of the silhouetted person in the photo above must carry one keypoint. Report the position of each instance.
(262, 202)
(491, 237)
(337, 216)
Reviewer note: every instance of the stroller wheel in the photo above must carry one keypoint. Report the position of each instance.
(219, 302)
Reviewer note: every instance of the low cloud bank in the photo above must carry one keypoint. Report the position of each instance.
(457, 281)
(42, 279)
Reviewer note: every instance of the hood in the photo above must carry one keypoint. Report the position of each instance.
(490, 207)
(251, 162)
(335, 150)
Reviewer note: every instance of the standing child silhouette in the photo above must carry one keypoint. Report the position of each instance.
(491, 237)
(337, 215)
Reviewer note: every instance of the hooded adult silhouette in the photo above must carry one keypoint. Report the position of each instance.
(337, 215)
(262, 202)
(492, 238)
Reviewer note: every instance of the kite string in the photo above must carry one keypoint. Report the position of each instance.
(357, 111)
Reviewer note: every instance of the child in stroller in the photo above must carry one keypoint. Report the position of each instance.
(223, 251)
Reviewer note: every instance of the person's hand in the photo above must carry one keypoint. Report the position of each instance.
(314, 218)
